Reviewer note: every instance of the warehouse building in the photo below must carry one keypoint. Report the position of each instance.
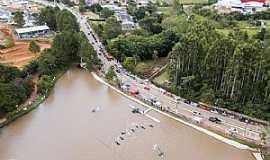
(32, 32)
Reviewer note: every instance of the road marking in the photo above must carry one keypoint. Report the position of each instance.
(153, 118)
(148, 110)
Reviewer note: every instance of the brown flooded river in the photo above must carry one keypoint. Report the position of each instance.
(65, 128)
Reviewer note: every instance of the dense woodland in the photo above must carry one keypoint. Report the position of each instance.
(68, 47)
(229, 71)
(225, 70)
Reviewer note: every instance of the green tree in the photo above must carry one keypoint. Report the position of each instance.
(34, 47)
(87, 53)
(68, 51)
(106, 13)
(139, 13)
(178, 7)
(45, 84)
(151, 24)
(12, 94)
(82, 6)
(48, 16)
(19, 19)
(110, 75)
(9, 42)
(66, 21)
(129, 63)
(9, 73)
(96, 8)
(46, 62)
(112, 28)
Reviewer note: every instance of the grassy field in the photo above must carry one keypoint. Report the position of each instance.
(193, 1)
(91, 15)
(141, 67)
(162, 77)
(166, 10)
(250, 31)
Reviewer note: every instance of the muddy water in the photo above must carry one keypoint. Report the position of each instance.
(64, 128)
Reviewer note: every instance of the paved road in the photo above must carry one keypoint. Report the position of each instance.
(244, 129)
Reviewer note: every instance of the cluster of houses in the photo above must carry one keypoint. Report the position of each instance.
(29, 30)
(122, 16)
(243, 6)
(9, 7)
(119, 8)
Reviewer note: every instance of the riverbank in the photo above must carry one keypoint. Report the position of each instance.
(12, 116)
(205, 131)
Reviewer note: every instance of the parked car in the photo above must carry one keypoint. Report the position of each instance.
(187, 101)
(169, 94)
(214, 111)
(233, 131)
(196, 113)
(146, 87)
(177, 99)
(117, 70)
(157, 104)
(215, 120)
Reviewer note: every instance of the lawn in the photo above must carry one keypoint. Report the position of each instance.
(162, 77)
(91, 15)
(141, 67)
(250, 31)
(166, 10)
(193, 1)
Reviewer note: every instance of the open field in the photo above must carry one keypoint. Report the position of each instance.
(91, 15)
(147, 67)
(162, 78)
(250, 31)
(193, 1)
(190, 1)
(19, 55)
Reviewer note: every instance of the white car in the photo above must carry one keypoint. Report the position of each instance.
(233, 130)
(214, 111)
(157, 104)
(163, 91)
(196, 113)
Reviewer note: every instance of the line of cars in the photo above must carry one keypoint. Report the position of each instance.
(153, 100)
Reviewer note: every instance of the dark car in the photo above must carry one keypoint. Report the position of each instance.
(117, 70)
(187, 101)
(215, 120)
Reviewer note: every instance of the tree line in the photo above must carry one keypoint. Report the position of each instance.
(228, 71)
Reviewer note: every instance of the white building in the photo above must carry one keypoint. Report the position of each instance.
(142, 3)
(32, 32)
(246, 6)
(5, 15)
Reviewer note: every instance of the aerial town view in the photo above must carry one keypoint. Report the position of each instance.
(134, 80)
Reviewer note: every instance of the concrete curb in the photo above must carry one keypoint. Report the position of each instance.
(203, 130)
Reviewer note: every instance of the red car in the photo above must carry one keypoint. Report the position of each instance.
(169, 94)
(146, 88)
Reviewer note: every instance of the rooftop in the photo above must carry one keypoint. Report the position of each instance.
(32, 29)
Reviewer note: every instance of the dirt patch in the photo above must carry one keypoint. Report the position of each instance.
(19, 55)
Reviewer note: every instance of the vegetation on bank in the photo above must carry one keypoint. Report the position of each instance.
(69, 46)
(227, 70)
